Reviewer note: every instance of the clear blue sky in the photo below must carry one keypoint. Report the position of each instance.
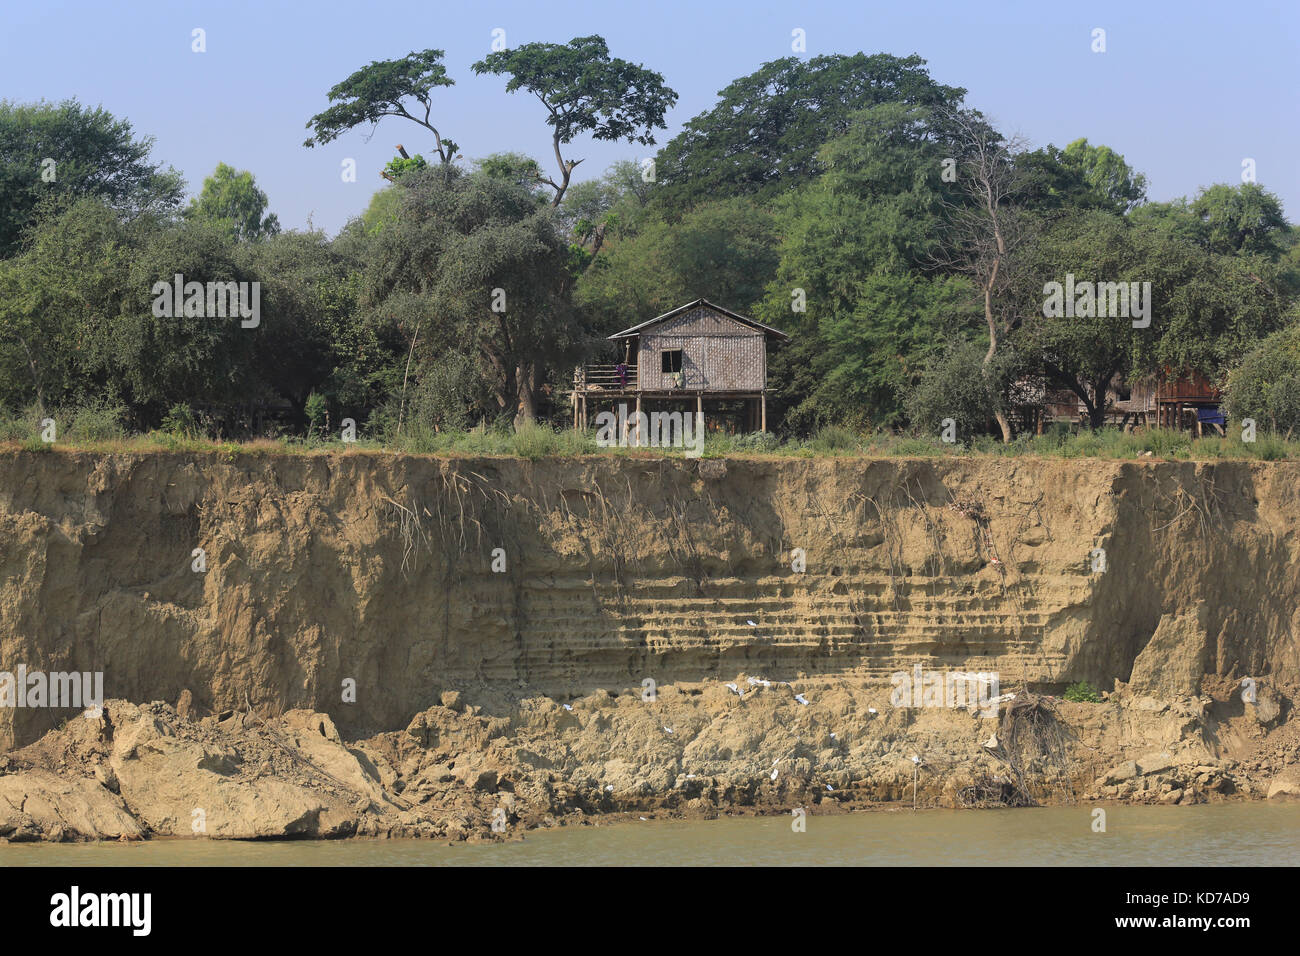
(1185, 90)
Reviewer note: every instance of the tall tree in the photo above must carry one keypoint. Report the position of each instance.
(584, 90)
(381, 89)
(67, 151)
(481, 253)
(988, 231)
(764, 134)
(231, 200)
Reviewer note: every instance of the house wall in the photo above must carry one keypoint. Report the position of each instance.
(718, 353)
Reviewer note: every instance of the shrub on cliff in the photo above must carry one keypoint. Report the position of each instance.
(1082, 693)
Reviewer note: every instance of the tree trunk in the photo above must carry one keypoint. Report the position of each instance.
(526, 380)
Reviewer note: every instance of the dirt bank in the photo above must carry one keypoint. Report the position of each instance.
(340, 601)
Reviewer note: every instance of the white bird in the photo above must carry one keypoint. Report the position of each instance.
(871, 710)
(992, 742)
(640, 818)
(751, 624)
(690, 776)
(774, 773)
(830, 788)
(915, 759)
(799, 698)
(833, 736)
(609, 788)
(568, 707)
(737, 689)
(669, 729)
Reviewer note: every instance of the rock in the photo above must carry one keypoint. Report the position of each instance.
(1266, 708)
(1173, 796)
(40, 805)
(451, 699)
(1285, 785)
(104, 774)
(1176, 656)
(1125, 771)
(1154, 762)
(185, 703)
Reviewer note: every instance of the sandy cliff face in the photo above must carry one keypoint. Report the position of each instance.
(379, 570)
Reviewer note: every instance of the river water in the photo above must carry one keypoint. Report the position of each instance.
(1228, 834)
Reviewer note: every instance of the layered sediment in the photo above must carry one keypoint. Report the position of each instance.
(381, 644)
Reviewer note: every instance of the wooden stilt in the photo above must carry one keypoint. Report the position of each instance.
(638, 420)
(763, 399)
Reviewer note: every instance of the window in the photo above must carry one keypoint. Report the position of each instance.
(672, 359)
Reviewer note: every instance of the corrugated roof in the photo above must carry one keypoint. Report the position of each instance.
(636, 329)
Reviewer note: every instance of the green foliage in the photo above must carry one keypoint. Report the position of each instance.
(316, 409)
(94, 155)
(180, 421)
(97, 421)
(434, 271)
(1080, 177)
(1082, 693)
(723, 251)
(584, 90)
(381, 89)
(833, 439)
(765, 133)
(956, 385)
(1266, 385)
(399, 166)
(231, 200)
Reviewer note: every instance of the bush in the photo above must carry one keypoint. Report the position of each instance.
(955, 386)
(97, 422)
(1082, 693)
(834, 438)
(181, 421)
(1266, 385)
(316, 409)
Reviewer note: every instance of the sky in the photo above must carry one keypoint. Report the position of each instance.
(1185, 90)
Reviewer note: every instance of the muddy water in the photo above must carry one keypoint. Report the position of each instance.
(1236, 834)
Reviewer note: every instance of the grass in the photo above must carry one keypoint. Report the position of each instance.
(99, 428)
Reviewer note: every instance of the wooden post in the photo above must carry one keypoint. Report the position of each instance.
(699, 409)
(638, 420)
(763, 400)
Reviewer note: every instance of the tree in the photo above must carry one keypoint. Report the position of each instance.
(724, 251)
(1080, 177)
(59, 298)
(480, 256)
(231, 200)
(615, 203)
(764, 134)
(67, 151)
(380, 89)
(1266, 385)
(1205, 310)
(584, 90)
(988, 229)
(1245, 218)
(855, 250)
